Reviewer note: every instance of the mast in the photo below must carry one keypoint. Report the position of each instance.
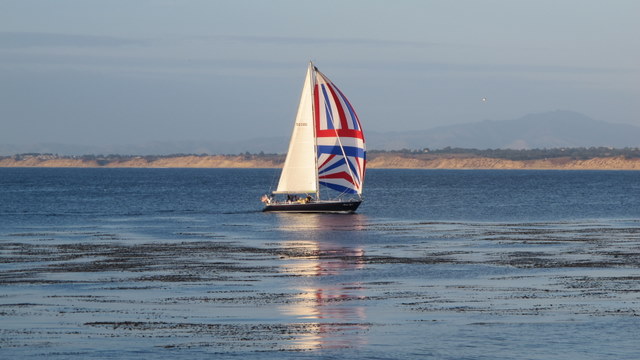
(313, 116)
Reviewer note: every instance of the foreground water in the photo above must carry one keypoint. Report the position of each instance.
(159, 263)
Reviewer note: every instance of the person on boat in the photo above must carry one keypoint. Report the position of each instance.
(308, 199)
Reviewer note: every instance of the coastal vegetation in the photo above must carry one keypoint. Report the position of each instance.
(577, 153)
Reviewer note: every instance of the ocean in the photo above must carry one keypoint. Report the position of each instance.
(442, 264)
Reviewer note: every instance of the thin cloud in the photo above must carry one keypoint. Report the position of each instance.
(19, 40)
(434, 67)
(288, 40)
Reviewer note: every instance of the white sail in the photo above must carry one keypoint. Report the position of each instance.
(299, 173)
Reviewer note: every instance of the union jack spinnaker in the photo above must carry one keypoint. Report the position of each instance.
(339, 139)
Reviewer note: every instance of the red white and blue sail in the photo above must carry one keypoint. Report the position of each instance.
(340, 146)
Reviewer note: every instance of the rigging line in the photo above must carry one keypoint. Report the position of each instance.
(273, 181)
(313, 80)
(346, 159)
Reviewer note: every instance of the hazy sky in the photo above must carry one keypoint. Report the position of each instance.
(123, 71)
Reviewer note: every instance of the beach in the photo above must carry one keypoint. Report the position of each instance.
(376, 161)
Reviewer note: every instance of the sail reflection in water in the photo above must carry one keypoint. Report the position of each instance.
(322, 262)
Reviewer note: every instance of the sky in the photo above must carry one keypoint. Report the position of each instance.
(111, 72)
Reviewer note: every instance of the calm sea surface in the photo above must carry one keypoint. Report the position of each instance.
(181, 263)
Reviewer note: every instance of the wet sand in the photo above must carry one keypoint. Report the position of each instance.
(418, 289)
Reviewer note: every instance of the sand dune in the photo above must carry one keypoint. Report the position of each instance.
(380, 161)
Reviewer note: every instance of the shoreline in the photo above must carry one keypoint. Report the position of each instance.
(378, 161)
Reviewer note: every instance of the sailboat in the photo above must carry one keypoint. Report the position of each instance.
(326, 160)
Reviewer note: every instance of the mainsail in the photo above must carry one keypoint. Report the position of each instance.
(327, 146)
(299, 173)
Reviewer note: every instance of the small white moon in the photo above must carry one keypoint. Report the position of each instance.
(484, 99)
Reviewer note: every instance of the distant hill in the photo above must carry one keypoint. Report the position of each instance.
(542, 130)
(267, 145)
(556, 129)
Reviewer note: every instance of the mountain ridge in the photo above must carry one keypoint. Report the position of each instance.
(553, 129)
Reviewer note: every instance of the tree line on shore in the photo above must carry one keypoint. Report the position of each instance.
(578, 153)
(101, 159)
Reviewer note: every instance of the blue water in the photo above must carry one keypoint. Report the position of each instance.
(478, 195)
(181, 263)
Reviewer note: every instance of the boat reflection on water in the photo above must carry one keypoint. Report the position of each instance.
(321, 261)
